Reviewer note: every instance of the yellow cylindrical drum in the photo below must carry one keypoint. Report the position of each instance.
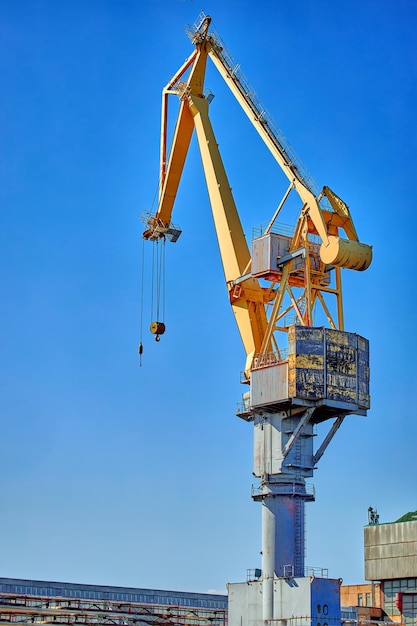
(157, 328)
(346, 253)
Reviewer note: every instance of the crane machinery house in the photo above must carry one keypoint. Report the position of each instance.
(298, 372)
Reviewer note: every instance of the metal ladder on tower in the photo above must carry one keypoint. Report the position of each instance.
(299, 519)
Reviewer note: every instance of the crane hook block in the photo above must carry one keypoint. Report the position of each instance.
(157, 328)
(346, 253)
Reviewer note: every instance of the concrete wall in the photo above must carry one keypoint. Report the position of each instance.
(391, 551)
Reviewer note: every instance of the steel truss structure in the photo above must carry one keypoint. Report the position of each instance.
(56, 611)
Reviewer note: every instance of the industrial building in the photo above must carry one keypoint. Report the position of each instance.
(362, 596)
(55, 603)
(362, 603)
(390, 596)
(391, 566)
(391, 558)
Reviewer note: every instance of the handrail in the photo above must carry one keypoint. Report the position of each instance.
(219, 50)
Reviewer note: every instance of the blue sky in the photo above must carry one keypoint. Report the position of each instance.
(112, 473)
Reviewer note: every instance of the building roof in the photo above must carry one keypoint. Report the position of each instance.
(408, 517)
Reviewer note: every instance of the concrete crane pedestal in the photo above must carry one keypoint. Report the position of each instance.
(306, 601)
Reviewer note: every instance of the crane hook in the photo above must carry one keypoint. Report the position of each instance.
(157, 328)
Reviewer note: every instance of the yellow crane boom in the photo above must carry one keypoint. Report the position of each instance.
(297, 263)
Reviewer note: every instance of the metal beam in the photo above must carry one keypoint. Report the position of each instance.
(297, 432)
(335, 426)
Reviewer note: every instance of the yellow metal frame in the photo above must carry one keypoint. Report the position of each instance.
(259, 310)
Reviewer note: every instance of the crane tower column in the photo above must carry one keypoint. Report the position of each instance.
(282, 536)
(283, 459)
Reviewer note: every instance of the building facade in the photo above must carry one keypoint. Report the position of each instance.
(364, 595)
(362, 603)
(391, 559)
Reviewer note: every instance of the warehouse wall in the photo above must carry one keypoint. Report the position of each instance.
(391, 551)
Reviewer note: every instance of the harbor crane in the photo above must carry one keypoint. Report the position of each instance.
(298, 374)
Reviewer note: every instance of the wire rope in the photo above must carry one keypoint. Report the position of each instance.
(140, 347)
(163, 280)
(160, 283)
(153, 279)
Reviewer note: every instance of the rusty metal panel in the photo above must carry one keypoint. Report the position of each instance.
(363, 373)
(330, 367)
(269, 384)
(327, 363)
(306, 362)
(305, 339)
(306, 383)
(341, 366)
(306, 376)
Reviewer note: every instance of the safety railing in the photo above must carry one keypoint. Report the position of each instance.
(269, 358)
(260, 112)
(317, 572)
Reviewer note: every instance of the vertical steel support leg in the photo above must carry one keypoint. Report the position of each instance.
(268, 560)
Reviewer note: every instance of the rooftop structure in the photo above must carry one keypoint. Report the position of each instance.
(391, 550)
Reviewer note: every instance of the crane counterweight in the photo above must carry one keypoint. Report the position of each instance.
(346, 253)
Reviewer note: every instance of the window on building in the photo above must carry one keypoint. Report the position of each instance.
(368, 599)
(360, 599)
